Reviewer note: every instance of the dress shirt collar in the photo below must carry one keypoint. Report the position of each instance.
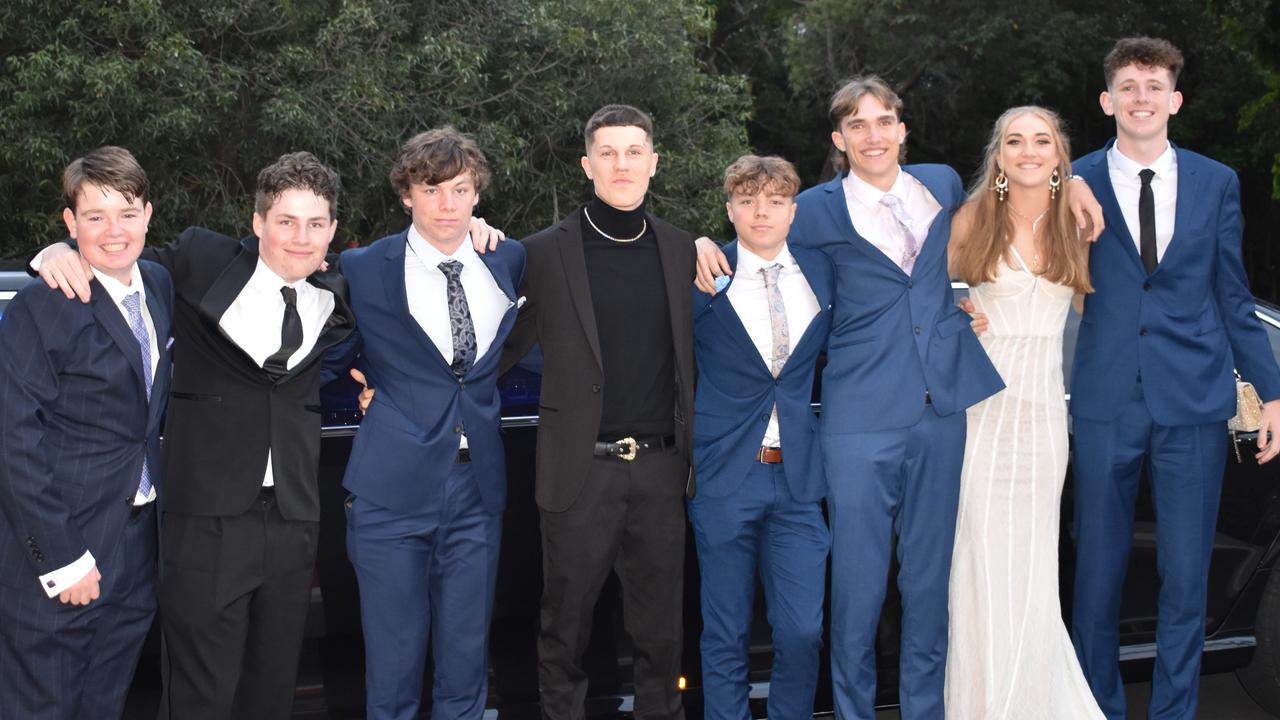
(431, 256)
(266, 281)
(1164, 166)
(751, 263)
(118, 290)
(855, 188)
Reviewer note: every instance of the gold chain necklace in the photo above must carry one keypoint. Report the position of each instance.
(644, 226)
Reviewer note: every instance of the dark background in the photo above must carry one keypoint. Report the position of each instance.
(206, 92)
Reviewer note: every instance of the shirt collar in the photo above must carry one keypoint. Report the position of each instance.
(265, 280)
(430, 255)
(118, 290)
(868, 194)
(1163, 166)
(751, 263)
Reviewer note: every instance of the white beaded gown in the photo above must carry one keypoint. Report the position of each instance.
(1009, 654)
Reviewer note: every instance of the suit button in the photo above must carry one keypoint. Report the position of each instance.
(765, 418)
(1146, 286)
(462, 386)
(777, 381)
(1143, 332)
(917, 329)
(595, 388)
(457, 428)
(910, 284)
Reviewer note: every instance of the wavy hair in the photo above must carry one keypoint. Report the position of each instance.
(977, 255)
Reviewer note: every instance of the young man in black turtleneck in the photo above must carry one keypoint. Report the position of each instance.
(608, 300)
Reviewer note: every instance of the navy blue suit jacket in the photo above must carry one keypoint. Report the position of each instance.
(894, 335)
(737, 391)
(409, 438)
(75, 424)
(1185, 326)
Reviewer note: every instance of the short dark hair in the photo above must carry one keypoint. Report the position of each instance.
(109, 167)
(750, 174)
(1145, 52)
(618, 116)
(296, 171)
(438, 155)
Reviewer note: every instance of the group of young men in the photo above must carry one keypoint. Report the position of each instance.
(238, 337)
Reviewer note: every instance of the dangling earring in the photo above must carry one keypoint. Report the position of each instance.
(1055, 182)
(1002, 185)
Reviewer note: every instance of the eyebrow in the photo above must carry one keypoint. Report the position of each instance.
(883, 116)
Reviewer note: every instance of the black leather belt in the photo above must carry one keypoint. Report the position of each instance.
(629, 448)
(267, 494)
(464, 455)
(136, 510)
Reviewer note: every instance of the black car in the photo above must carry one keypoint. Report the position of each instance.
(1243, 618)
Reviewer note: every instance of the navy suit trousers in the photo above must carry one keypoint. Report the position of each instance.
(760, 527)
(421, 575)
(1185, 466)
(76, 662)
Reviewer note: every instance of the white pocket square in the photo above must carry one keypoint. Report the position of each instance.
(520, 301)
(168, 343)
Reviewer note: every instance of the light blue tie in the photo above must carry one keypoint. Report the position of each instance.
(911, 248)
(133, 304)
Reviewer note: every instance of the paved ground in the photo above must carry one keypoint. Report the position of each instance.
(1221, 698)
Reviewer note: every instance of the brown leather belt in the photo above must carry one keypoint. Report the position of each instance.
(629, 448)
(770, 455)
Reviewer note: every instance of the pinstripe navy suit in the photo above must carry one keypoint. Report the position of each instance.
(75, 424)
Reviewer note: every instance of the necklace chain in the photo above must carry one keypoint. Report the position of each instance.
(1035, 248)
(644, 226)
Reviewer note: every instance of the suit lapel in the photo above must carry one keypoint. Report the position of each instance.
(933, 245)
(225, 289)
(108, 315)
(838, 208)
(393, 272)
(162, 321)
(1188, 187)
(1098, 175)
(728, 316)
(501, 275)
(575, 273)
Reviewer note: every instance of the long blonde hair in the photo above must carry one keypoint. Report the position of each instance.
(976, 257)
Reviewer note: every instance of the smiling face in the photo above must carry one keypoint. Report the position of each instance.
(442, 212)
(1141, 99)
(294, 234)
(871, 138)
(109, 228)
(762, 220)
(1028, 151)
(620, 161)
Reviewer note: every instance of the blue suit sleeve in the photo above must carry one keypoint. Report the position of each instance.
(1249, 344)
(29, 494)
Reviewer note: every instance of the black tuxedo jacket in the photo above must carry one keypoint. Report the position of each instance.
(225, 411)
(558, 315)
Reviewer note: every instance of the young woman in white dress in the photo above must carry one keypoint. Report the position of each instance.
(1015, 244)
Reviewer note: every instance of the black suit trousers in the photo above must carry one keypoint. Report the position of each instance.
(629, 517)
(234, 593)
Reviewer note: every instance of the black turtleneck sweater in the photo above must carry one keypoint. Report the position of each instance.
(633, 321)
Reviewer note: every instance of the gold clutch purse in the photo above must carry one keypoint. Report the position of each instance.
(1248, 416)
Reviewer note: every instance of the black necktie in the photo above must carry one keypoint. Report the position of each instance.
(290, 335)
(1147, 221)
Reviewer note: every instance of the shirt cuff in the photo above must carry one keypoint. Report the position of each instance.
(35, 264)
(64, 577)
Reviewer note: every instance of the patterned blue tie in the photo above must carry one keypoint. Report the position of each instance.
(133, 304)
(460, 325)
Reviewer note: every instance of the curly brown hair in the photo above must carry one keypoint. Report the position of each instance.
(1145, 52)
(434, 156)
(750, 174)
(296, 171)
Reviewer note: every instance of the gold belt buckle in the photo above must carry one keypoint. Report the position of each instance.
(631, 445)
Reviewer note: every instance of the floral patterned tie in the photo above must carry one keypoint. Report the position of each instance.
(460, 325)
(911, 248)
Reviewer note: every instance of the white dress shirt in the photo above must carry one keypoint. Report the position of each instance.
(254, 319)
(750, 300)
(1164, 190)
(427, 290)
(874, 221)
(66, 576)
